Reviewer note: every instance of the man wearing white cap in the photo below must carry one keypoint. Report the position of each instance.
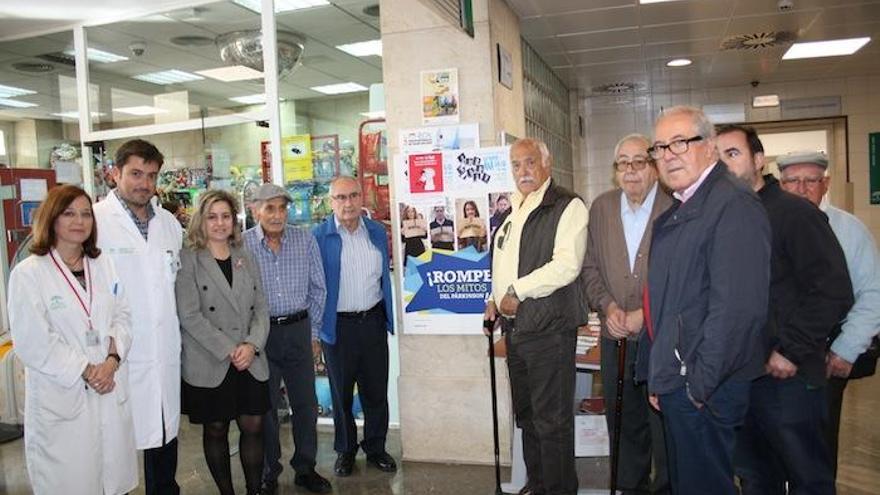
(804, 173)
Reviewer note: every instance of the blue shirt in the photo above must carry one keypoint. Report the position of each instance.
(863, 261)
(635, 222)
(293, 279)
(360, 270)
(143, 226)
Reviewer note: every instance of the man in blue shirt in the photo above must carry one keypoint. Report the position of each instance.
(293, 281)
(357, 319)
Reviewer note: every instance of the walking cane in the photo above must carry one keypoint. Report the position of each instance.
(490, 326)
(618, 411)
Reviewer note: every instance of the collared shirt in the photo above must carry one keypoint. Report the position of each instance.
(360, 271)
(293, 279)
(691, 189)
(570, 244)
(143, 226)
(863, 261)
(635, 221)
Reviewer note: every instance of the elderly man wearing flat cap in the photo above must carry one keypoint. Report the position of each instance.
(293, 281)
(804, 174)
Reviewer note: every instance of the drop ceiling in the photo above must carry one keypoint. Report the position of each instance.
(596, 43)
(341, 22)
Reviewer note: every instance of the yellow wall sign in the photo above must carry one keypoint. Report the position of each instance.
(297, 157)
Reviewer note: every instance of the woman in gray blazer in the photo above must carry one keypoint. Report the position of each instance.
(224, 324)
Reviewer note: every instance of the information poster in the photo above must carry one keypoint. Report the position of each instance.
(440, 103)
(297, 158)
(445, 224)
(874, 166)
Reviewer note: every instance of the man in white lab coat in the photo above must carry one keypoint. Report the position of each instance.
(144, 241)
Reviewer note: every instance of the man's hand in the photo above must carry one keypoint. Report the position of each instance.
(243, 356)
(779, 367)
(316, 350)
(837, 366)
(490, 314)
(654, 401)
(615, 320)
(509, 305)
(635, 321)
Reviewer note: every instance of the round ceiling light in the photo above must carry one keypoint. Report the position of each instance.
(246, 48)
(679, 62)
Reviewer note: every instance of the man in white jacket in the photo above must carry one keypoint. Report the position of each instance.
(144, 241)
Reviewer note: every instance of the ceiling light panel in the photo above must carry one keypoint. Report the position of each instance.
(829, 48)
(231, 73)
(12, 91)
(250, 99)
(172, 76)
(337, 89)
(101, 56)
(363, 48)
(6, 102)
(679, 62)
(282, 5)
(765, 101)
(75, 115)
(140, 110)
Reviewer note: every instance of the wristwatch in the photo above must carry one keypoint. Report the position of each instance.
(512, 292)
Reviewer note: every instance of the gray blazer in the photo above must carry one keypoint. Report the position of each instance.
(215, 318)
(606, 269)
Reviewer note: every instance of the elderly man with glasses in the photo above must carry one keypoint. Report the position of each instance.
(804, 173)
(357, 320)
(706, 303)
(615, 271)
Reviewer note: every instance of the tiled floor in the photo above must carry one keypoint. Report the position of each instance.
(859, 472)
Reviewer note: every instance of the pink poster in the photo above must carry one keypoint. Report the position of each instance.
(426, 173)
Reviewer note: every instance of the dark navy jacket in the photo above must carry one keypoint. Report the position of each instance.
(708, 283)
(330, 245)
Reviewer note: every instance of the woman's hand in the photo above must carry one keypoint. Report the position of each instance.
(102, 376)
(243, 356)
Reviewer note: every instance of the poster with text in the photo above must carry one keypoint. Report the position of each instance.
(443, 248)
(440, 103)
(296, 152)
(426, 173)
(440, 137)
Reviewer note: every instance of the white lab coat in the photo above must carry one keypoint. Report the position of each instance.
(77, 442)
(147, 270)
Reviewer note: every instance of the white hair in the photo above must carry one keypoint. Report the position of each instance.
(702, 125)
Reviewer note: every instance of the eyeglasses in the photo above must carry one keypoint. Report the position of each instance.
(637, 164)
(343, 197)
(677, 147)
(807, 182)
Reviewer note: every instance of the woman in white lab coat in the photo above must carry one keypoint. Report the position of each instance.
(70, 327)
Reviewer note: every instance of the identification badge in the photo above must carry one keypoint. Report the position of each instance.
(92, 337)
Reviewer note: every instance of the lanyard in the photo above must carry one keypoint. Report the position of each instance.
(86, 309)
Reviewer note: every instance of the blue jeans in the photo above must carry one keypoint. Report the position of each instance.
(700, 442)
(783, 440)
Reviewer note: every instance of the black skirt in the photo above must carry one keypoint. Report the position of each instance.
(239, 393)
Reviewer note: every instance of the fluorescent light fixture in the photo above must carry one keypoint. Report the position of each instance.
(250, 99)
(140, 110)
(171, 76)
(96, 55)
(379, 114)
(75, 114)
(830, 48)
(12, 91)
(282, 5)
(645, 2)
(679, 62)
(231, 73)
(765, 101)
(6, 102)
(337, 89)
(363, 48)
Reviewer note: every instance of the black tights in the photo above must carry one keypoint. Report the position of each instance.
(215, 439)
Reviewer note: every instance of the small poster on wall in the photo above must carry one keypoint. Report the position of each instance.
(440, 104)
(426, 173)
(297, 157)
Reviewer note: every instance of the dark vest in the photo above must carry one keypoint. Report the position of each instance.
(563, 309)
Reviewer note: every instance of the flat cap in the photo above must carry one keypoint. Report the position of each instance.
(271, 191)
(800, 157)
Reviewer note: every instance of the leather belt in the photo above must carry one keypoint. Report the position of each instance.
(360, 314)
(289, 319)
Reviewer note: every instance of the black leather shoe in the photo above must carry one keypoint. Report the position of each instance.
(313, 482)
(344, 464)
(383, 462)
(529, 490)
(269, 487)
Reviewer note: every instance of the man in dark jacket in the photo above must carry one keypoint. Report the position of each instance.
(708, 279)
(537, 255)
(810, 293)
